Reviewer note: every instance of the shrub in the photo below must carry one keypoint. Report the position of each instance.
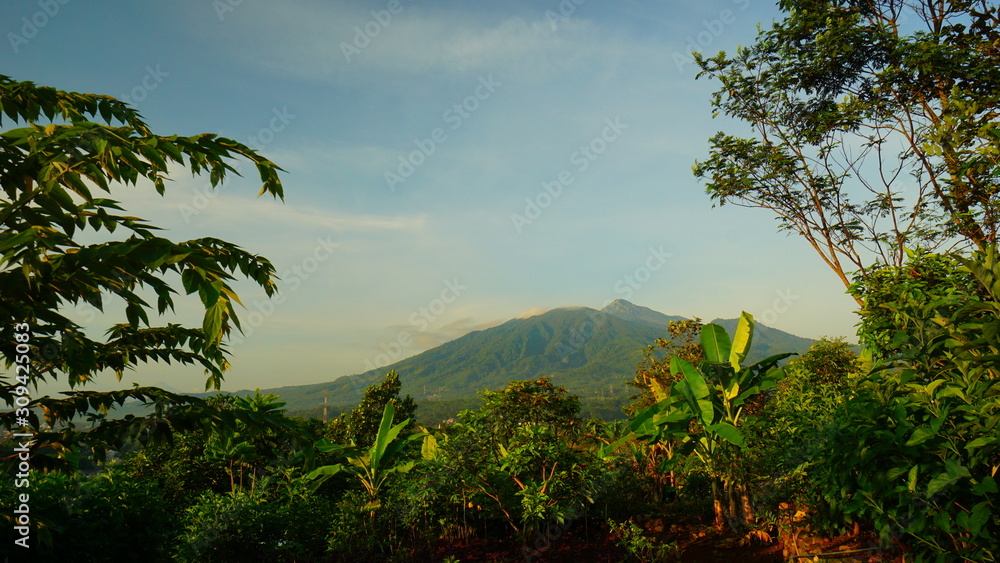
(916, 452)
(238, 526)
(104, 517)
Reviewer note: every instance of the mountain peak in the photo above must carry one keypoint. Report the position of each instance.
(621, 305)
(626, 310)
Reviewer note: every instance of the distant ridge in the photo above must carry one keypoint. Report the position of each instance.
(592, 353)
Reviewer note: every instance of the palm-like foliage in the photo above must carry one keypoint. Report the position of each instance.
(702, 411)
(372, 465)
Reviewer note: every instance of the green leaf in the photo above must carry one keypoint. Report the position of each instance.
(943, 521)
(987, 486)
(980, 442)
(212, 323)
(210, 292)
(386, 434)
(742, 340)
(911, 480)
(980, 515)
(429, 449)
(694, 378)
(404, 467)
(728, 432)
(326, 470)
(707, 411)
(715, 343)
(642, 417)
(940, 482)
(920, 435)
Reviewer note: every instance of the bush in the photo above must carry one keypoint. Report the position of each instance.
(238, 526)
(792, 433)
(916, 452)
(104, 517)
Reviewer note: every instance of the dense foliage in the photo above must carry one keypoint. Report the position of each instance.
(918, 452)
(70, 148)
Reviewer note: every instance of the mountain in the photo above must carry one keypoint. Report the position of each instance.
(592, 353)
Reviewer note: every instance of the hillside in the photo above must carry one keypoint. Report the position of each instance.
(592, 353)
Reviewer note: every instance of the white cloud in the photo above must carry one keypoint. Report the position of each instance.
(273, 214)
(533, 312)
(193, 201)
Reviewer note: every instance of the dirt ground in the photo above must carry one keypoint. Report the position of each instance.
(696, 547)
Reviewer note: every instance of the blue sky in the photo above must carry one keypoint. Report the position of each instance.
(450, 165)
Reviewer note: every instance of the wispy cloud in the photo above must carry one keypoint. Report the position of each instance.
(276, 214)
(338, 38)
(533, 312)
(192, 200)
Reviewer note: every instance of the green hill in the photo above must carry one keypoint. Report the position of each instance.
(592, 353)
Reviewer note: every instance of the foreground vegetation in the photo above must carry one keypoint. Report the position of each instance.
(904, 448)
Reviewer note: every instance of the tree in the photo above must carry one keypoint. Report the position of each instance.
(924, 278)
(69, 149)
(520, 453)
(654, 378)
(245, 447)
(791, 437)
(876, 127)
(362, 424)
(828, 362)
(532, 402)
(372, 465)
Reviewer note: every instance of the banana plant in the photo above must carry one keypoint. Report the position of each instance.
(372, 466)
(703, 409)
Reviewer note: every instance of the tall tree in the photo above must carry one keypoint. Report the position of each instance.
(875, 127)
(68, 149)
(361, 425)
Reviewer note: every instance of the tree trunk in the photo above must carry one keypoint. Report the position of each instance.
(748, 514)
(735, 512)
(717, 496)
